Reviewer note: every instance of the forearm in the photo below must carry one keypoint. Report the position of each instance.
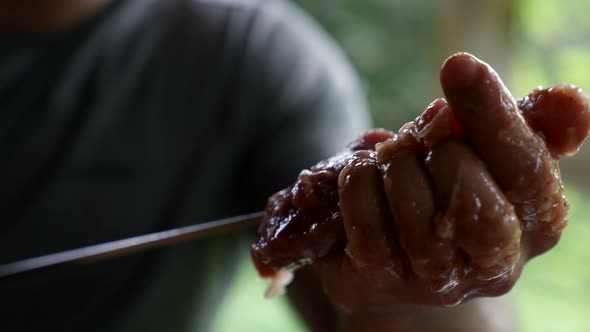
(320, 315)
(483, 314)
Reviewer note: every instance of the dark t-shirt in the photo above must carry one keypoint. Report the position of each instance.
(150, 115)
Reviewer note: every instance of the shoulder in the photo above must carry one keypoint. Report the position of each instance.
(263, 29)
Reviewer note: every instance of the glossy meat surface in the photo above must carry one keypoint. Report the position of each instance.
(464, 217)
(304, 221)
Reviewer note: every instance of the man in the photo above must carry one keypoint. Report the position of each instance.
(127, 117)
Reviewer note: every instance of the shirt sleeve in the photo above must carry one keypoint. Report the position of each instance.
(300, 98)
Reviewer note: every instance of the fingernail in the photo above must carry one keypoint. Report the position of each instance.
(459, 71)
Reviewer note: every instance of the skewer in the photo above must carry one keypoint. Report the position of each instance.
(128, 246)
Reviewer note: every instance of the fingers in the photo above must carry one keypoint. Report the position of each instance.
(491, 120)
(411, 201)
(516, 157)
(367, 221)
(477, 215)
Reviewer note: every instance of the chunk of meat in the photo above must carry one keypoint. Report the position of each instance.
(453, 204)
(562, 104)
(304, 222)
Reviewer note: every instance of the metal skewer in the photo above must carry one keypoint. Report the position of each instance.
(128, 246)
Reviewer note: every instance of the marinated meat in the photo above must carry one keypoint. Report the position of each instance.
(461, 214)
(558, 115)
(304, 221)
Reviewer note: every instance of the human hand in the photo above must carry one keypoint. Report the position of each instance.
(448, 209)
(470, 194)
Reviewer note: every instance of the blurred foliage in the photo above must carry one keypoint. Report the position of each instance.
(391, 43)
(552, 44)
